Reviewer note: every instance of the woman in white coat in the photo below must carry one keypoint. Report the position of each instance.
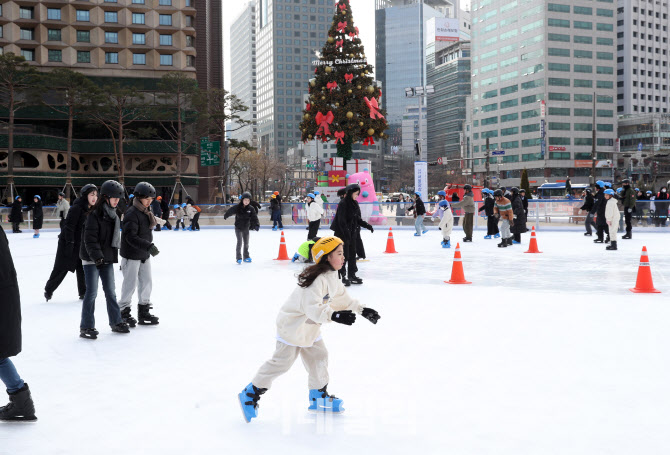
(314, 212)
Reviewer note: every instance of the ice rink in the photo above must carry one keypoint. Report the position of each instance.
(541, 354)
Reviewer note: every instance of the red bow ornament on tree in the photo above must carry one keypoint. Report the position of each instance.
(339, 137)
(331, 86)
(349, 78)
(308, 107)
(374, 108)
(323, 121)
(343, 6)
(341, 26)
(369, 141)
(339, 43)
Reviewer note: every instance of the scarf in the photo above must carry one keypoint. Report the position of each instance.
(139, 206)
(111, 212)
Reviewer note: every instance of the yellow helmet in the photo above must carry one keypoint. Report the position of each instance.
(325, 246)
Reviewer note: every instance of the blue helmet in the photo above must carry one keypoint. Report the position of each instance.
(311, 195)
(176, 206)
(619, 190)
(131, 196)
(608, 184)
(648, 192)
(316, 193)
(418, 193)
(17, 198)
(485, 190)
(444, 203)
(600, 183)
(37, 196)
(609, 191)
(637, 189)
(183, 205)
(442, 193)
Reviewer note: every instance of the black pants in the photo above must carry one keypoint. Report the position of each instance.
(62, 222)
(491, 225)
(15, 227)
(58, 275)
(360, 249)
(603, 228)
(242, 238)
(517, 236)
(627, 217)
(313, 229)
(194, 224)
(350, 259)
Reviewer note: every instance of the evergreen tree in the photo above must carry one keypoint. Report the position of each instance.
(525, 184)
(344, 102)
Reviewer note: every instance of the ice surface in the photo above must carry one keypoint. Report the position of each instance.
(542, 354)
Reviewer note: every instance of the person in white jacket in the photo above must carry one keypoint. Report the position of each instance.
(62, 208)
(320, 298)
(446, 222)
(190, 214)
(612, 216)
(314, 213)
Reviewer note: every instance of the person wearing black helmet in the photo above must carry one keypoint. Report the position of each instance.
(628, 199)
(347, 223)
(519, 226)
(245, 220)
(503, 210)
(38, 214)
(137, 248)
(69, 243)
(62, 207)
(599, 206)
(16, 215)
(468, 205)
(587, 207)
(99, 252)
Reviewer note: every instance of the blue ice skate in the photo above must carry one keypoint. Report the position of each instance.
(249, 401)
(189, 228)
(183, 229)
(274, 228)
(239, 261)
(321, 401)
(497, 236)
(448, 244)
(487, 236)
(515, 242)
(247, 260)
(36, 236)
(164, 228)
(295, 257)
(416, 234)
(176, 229)
(426, 230)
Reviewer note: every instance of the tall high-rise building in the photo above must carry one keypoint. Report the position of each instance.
(243, 71)
(543, 77)
(288, 35)
(642, 57)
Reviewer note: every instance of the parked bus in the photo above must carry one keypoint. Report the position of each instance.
(557, 190)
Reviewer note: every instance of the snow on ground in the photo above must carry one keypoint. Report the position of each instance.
(542, 354)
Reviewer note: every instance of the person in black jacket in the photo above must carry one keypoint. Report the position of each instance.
(136, 250)
(524, 201)
(38, 215)
(519, 216)
(661, 203)
(69, 243)
(245, 219)
(599, 204)
(165, 213)
(275, 211)
(587, 207)
(346, 225)
(20, 405)
(454, 199)
(419, 213)
(491, 221)
(16, 215)
(157, 210)
(99, 252)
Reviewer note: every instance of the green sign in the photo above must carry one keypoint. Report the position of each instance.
(209, 152)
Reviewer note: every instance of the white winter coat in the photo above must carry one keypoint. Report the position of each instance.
(300, 318)
(190, 212)
(314, 211)
(62, 206)
(612, 212)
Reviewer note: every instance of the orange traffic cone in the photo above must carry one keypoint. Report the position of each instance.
(532, 248)
(390, 244)
(644, 283)
(283, 254)
(457, 275)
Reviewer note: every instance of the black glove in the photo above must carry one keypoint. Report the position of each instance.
(344, 317)
(153, 250)
(371, 315)
(99, 262)
(371, 229)
(256, 228)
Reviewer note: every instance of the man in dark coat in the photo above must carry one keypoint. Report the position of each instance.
(588, 207)
(524, 201)
(165, 213)
(599, 205)
(628, 200)
(157, 210)
(519, 226)
(20, 405)
(454, 199)
(16, 215)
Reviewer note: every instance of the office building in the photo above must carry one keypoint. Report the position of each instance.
(243, 71)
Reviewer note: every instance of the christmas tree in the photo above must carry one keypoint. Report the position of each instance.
(344, 102)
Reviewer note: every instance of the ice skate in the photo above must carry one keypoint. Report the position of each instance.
(239, 261)
(515, 242)
(89, 334)
(48, 295)
(629, 235)
(20, 407)
(416, 234)
(121, 327)
(510, 241)
(295, 257)
(598, 240)
(467, 239)
(249, 401)
(274, 228)
(36, 236)
(423, 232)
(612, 246)
(503, 244)
(587, 234)
(607, 240)
(144, 317)
(497, 236)
(346, 282)
(487, 237)
(128, 318)
(353, 279)
(247, 260)
(321, 401)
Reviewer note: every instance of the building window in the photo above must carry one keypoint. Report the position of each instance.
(559, 23)
(189, 2)
(583, 54)
(559, 126)
(138, 18)
(1, 31)
(83, 36)
(582, 68)
(83, 57)
(559, 37)
(190, 60)
(583, 10)
(28, 54)
(559, 67)
(583, 112)
(111, 37)
(165, 2)
(55, 55)
(583, 25)
(111, 57)
(138, 2)
(111, 17)
(189, 21)
(54, 34)
(565, 111)
(558, 8)
(560, 155)
(582, 83)
(165, 19)
(83, 15)
(165, 40)
(53, 14)
(558, 52)
(26, 12)
(604, 27)
(27, 34)
(139, 38)
(166, 60)
(581, 98)
(559, 96)
(139, 59)
(190, 41)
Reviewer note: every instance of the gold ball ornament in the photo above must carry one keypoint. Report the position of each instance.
(323, 88)
(329, 69)
(323, 97)
(337, 104)
(350, 114)
(359, 87)
(371, 132)
(331, 40)
(306, 116)
(312, 83)
(350, 91)
(361, 123)
(371, 89)
(310, 136)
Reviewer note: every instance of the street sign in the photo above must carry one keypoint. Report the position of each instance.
(543, 109)
(543, 148)
(498, 152)
(542, 132)
(209, 152)
(439, 160)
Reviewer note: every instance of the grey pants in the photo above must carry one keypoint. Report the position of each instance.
(315, 359)
(242, 236)
(588, 222)
(136, 275)
(504, 229)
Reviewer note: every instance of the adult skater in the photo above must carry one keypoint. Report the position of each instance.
(629, 200)
(99, 252)
(588, 207)
(454, 199)
(275, 210)
(599, 206)
(468, 205)
(137, 248)
(519, 226)
(195, 220)
(69, 243)
(319, 299)
(524, 201)
(491, 221)
(314, 212)
(503, 210)
(20, 407)
(662, 202)
(612, 217)
(419, 210)
(245, 220)
(165, 213)
(38, 214)
(62, 207)
(157, 210)
(16, 215)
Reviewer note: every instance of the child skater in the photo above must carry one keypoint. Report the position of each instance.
(179, 218)
(319, 298)
(245, 220)
(446, 222)
(304, 253)
(491, 221)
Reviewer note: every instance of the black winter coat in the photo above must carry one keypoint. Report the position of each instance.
(520, 220)
(16, 216)
(489, 204)
(419, 207)
(10, 303)
(137, 235)
(156, 208)
(165, 209)
(348, 221)
(38, 214)
(275, 204)
(255, 205)
(245, 216)
(588, 203)
(69, 240)
(97, 238)
(598, 202)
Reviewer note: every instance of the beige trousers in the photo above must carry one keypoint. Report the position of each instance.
(315, 359)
